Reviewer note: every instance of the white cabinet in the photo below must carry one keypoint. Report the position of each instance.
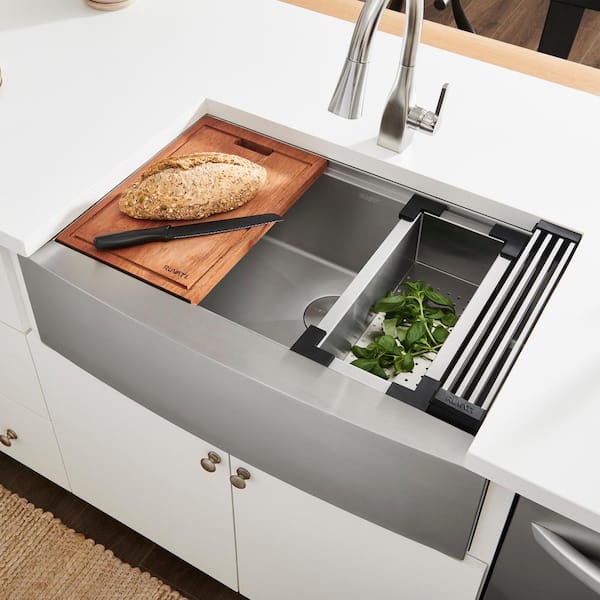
(22, 406)
(18, 377)
(35, 444)
(12, 310)
(292, 545)
(139, 468)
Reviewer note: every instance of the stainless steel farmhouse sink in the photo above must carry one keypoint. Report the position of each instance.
(261, 368)
(296, 272)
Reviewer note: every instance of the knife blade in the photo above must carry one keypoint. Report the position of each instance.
(166, 233)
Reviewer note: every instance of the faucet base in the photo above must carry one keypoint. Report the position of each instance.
(394, 121)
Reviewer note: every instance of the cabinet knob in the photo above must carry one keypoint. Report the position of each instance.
(7, 437)
(210, 464)
(239, 481)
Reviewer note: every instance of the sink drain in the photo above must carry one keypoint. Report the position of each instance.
(317, 309)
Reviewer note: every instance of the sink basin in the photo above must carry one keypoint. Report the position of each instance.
(296, 272)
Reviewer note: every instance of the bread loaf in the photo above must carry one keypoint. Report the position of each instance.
(192, 186)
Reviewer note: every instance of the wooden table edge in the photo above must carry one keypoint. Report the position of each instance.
(519, 59)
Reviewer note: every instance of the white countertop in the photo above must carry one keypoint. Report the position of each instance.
(89, 95)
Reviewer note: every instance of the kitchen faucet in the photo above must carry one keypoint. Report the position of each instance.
(399, 112)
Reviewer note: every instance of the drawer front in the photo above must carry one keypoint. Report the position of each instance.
(12, 311)
(35, 444)
(18, 377)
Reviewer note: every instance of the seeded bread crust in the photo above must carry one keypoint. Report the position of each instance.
(192, 186)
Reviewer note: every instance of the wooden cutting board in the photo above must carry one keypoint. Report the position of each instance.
(190, 268)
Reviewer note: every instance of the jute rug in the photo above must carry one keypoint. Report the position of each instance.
(42, 559)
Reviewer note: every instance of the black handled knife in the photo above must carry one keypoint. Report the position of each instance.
(176, 232)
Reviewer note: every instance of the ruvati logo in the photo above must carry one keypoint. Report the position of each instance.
(176, 272)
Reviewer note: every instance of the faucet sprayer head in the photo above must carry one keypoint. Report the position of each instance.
(347, 100)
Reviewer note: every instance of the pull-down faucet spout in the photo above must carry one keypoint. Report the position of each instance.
(399, 112)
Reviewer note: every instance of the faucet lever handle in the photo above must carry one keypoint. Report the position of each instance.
(438, 108)
(426, 120)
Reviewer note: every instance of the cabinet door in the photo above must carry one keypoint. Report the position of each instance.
(12, 311)
(139, 468)
(292, 545)
(18, 379)
(35, 444)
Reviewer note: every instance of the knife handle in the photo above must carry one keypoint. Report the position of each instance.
(131, 238)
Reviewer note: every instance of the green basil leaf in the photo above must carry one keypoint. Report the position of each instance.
(389, 327)
(404, 364)
(433, 313)
(361, 352)
(408, 363)
(367, 364)
(415, 286)
(380, 372)
(387, 342)
(415, 332)
(420, 347)
(440, 333)
(438, 298)
(398, 364)
(387, 360)
(375, 349)
(389, 304)
(401, 333)
(449, 319)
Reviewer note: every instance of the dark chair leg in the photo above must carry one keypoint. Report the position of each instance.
(459, 16)
(560, 29)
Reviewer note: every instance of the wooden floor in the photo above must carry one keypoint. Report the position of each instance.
(128, 545)
(520, 22)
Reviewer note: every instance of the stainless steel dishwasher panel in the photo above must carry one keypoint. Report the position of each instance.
(545, 556)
